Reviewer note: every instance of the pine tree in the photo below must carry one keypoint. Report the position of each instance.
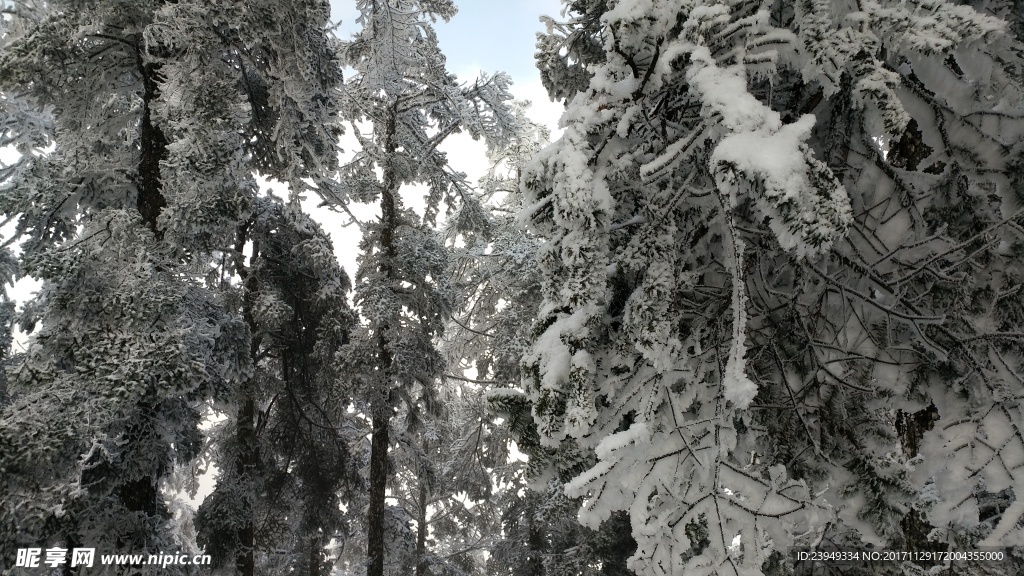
(781, 276)
(493, 268)
(284, 458)
(444, 487)
(158, 114)
(408, 103)
(448, 488)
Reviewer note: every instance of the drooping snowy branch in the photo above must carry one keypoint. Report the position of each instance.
(757, 232)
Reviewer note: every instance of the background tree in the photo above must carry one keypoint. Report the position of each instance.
(284, 459)
(159, 114)
(779, 275)
(496, 278)
(407, 104)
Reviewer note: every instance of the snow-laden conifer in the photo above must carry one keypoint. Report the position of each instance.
(779, 275)
(284, 456)
(141, 125)
(403, 104)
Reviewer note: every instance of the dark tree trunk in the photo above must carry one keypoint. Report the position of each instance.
(422, 569)
(316, 563)
(153, 144)
(247, 457)
(245, 467)
(537, 547)
(378, 486)
(381, 404)
(141, 494)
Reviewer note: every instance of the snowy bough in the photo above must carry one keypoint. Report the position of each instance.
(781, 293)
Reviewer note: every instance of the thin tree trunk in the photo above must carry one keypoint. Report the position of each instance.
(378, 486)
(245, 467)
(421, 531)
(153, 148)
(315, 560)
(141, 494)
(536, 547)
(247, 458)
(381, 403)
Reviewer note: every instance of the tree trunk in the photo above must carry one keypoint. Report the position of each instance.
(314, 556)
(378, 487)
(536, 546)
(141, 494)
(153, 149)
(247, 458)
(421, 531)
(381, 404)
(245, 467)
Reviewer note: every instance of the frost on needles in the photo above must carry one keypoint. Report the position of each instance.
(141, 126)
(778, 236)
(763, 292)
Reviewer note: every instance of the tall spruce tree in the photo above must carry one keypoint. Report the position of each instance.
(781, 276)
(403, 104)
(156, 115)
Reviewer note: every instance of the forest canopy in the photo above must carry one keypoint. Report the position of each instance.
(762, 294)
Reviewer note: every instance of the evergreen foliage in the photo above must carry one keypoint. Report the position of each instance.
(764, 292)
(496, 276)
(777, 234)
(157, 114)
(402, 104)
(284, 456)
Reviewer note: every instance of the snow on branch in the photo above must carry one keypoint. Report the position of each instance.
(806, 206)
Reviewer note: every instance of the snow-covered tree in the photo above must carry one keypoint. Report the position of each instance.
(141, 125)
(403, 104)
(496, 280)
(781, 275)
(284, 458)
(492, 267)
(444, 485)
